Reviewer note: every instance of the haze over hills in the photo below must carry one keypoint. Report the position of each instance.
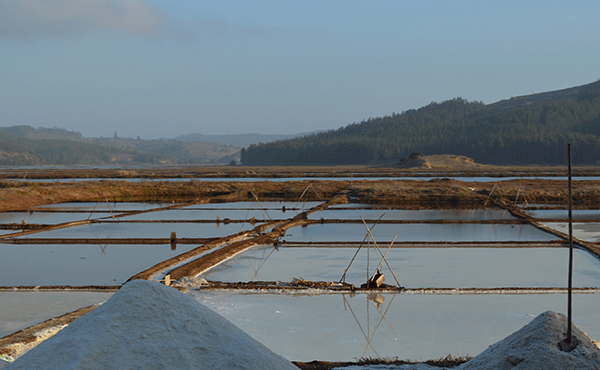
(530, 129)
(237, 139)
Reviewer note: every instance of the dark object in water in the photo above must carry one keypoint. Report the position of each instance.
(376, 280)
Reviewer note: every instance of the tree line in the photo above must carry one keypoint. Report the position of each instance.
(530, 134)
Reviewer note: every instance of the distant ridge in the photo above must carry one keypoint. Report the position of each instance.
(527, 130)
(237, 139)
(524, 101)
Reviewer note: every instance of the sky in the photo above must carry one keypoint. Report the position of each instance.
(164, 68)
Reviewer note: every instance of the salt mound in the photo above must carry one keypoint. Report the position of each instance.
(535, 346)
(146, 325)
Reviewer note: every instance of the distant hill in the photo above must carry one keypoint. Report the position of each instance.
(532, 129)
(236, 139)
(18, 151)
(28, 146)
(177, 151)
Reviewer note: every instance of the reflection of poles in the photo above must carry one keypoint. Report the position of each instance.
(368, 336)
(263, 260)
(379, 323)
(346, 303)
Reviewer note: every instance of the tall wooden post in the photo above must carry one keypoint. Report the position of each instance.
(570, 342)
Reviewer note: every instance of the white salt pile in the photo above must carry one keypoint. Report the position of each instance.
(146, 325)
(535, 346)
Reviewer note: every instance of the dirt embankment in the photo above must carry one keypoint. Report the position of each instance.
(436, 193)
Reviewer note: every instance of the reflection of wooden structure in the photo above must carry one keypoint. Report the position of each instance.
(377, 300)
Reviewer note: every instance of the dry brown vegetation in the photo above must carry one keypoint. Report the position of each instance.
(436, 193)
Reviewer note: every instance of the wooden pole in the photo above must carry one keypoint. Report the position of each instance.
(569, 301)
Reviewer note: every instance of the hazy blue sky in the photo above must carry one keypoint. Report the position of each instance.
(162, 68)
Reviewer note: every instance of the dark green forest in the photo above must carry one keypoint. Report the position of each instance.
(533, 129)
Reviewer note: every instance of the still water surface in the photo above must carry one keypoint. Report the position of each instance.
(418, 233)
(339, 327)
(588, 231)
(56, 264)
(415, 267)
(403, 214)
(115, 229)
(23, 309)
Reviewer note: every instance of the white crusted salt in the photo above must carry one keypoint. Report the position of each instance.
(146, 325)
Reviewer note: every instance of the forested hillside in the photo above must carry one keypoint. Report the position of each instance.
(533, 129)
(16, 151)
(27, 146)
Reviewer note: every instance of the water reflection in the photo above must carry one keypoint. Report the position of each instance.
(144, 230)
(563, 214)
(348, 213)
(308, 327)
(378, 301)
(588, 231)
(89, 264)
(419, 233)
(22, 309)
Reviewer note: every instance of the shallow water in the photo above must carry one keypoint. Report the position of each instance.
(23, 265)
(117, 229)
(49, 218)
(415, 267)
(23, 309)
(323, 327)
(418, 233)
(588, 231)
(214, 214)
(103, 206)
(402, 214)
(563, 214)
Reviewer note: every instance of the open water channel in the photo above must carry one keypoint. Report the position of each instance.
(332, 326)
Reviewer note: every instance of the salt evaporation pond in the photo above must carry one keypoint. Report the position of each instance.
(49, 218)
(102, 206)
(588, 231)
(403, 214)
(321, 327)
(418, 233)
(563, 214)
(189, 213)
(72, 264)
(415, 267)
(23, 309)
(254, 205)
(116, 229)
